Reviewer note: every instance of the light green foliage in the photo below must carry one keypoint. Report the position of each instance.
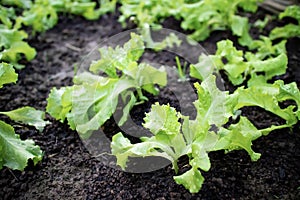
(270, 60)
(19, 3)
(191, 180)
(16, 152)
(148, 12)
(43, 14)
(59, 102)
(168, 42)
(13, 45)
(202, 17)
(289, 92)
(289, 30)
(266, 49)
(7, 74)
(239, 136)
(268, 96)
(94, 98)
(171, 139)
(28, 115)
(196, 138)
(85, 8)
(261, 24)
(40, 15)
(6, 14)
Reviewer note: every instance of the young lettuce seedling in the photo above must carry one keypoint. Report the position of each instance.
(181, 71)
(289, 30)
(196, 138)
(94, 97)
(260, 67)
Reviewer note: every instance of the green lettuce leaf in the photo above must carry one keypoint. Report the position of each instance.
(191, 180)
(59, 103)
(19, 3)
(289, 92)
(41, 16)
(199, 17)
(166, 141)
(15, 152)
(289, 30)
(270, 60)
(239, 136)
(211, 107)
(175, 135)
(28, 115)
(172, 139)
(267, 97)
(94, 98)
(6, 14)
(7, 74)
(122, 58)
(11, 41)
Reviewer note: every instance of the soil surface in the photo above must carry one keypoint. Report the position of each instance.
(68, 171)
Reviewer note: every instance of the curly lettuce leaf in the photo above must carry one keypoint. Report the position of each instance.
(266, 96)
(266, 49)
(122, 58)
(7, 74)
(59, 103)
(172, 139)
(28, 115)
(175, 135)
(11, 41)
(6, 14)
(191, 180)
(203, 68)
(41, 16)
(289, 92)
(20, 3)
(15, 152)
(211, 107)
(289, 30)
(239, 136)
(122, 148)
(271, 60)
(167, 142)
(200, 17)
(291, 11)
(94, 98)
(93, 104)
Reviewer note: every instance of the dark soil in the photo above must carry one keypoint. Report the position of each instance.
(68, 171)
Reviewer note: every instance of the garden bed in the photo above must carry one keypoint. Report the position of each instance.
(68, 171)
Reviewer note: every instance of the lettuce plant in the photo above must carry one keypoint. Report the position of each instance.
(254, 68)
(94, 96)
(40, 15)
(201, 17)
(289, 30)
(196, 138)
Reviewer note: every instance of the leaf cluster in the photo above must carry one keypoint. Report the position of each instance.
(95, 94)
(15, 152)
(196, 138)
